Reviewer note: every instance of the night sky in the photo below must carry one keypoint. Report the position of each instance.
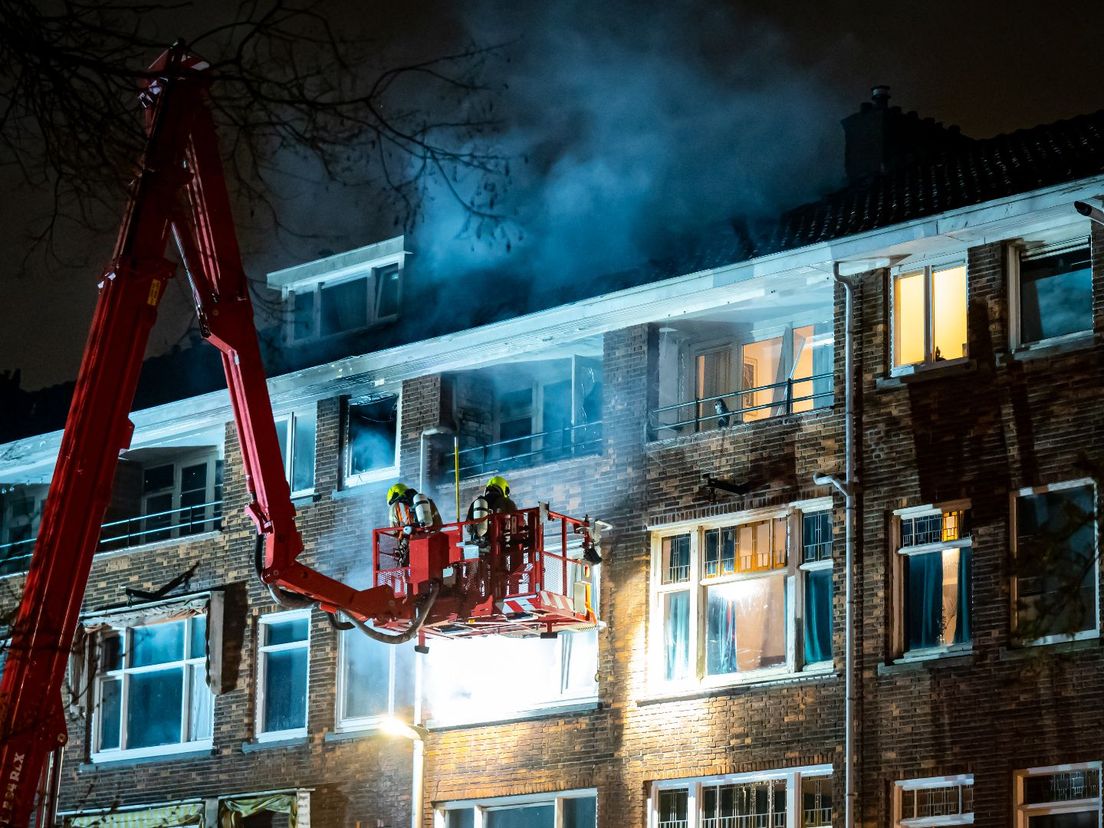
(658, 116)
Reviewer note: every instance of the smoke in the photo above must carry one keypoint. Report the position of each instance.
(634, 127)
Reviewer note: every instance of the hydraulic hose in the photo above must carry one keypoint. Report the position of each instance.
(287, 600)
(420, 616)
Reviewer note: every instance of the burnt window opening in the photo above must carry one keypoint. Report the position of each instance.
(371, 436)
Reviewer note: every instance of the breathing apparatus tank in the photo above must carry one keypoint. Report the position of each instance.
(423, 511)
(480, 512)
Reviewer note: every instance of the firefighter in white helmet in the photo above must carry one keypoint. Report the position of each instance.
(495, 499)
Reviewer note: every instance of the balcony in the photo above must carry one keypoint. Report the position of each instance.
(532, 450)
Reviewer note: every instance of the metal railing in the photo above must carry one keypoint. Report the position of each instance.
(129, 532)
(724, 410)
(532, 449)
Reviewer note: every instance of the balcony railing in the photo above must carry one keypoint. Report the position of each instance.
(129, 532)
(792, 396)
(532, 449)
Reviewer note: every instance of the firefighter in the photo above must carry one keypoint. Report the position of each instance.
(410, 508)
(494, 500)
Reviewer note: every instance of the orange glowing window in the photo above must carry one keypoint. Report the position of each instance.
(929, 315)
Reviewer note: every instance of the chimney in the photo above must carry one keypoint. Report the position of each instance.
(880, 138)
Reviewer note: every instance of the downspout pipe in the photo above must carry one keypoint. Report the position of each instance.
(847, 487)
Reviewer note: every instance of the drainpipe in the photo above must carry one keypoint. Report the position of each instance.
(847, 488)
(417, 770)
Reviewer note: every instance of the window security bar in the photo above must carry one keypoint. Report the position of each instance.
(732, 411)
(132, 531)
(532, 449)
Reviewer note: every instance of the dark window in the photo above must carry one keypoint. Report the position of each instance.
(344, 306)
(816, 537)
(303, 315)
(817, 624)
(387, 291)
(1055, 295)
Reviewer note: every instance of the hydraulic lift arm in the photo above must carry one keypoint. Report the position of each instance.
(180, 191)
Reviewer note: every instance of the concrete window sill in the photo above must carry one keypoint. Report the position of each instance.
(1059, 346)
(949, 658)
(160, 758)
(294, 741)
(907, 375)
(808, 677)
(551, 711)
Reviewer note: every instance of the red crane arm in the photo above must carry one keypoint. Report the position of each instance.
(180, 190)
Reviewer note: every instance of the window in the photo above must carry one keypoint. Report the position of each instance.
(298, 452)
(750, 799)
(933, 573)
(374, 679)
(1051, 288)
(944, 800)
(151, 689)
(173, 497)
(570, 809)
(724, 603)
(1055, 562)
(371, 449)
(345, 305)
(20, 512)
(1067, 796)
(282, 670)
(929, 315)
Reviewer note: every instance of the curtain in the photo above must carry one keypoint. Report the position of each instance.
(676, 635)
(232, 812)
(169, 815)
(965, 596)
(823, 364)
(818, 616)
(925, 600)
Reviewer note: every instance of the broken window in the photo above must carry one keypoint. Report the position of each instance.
(344, 305)
(283, 658)
(371, 438)
(298, 451)
(723, 598)
(151, 690)
(929, 315)
(934, 559)
(1053, 284)
(751, 799)
(1055, 565)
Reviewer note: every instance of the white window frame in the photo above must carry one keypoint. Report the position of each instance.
(370, 275)
(793, 575)
(122, 675)
(927, 268)
(349, 480)
(694, 786)
(810, 507)
(291, 418)
(899, 787)
(1013, 533)
(1024, 811)
(208, 457)
(484, 805)
(262, 673)
(900, 645)
(1014, 252)
(347, 723)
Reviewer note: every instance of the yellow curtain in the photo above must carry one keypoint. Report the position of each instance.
(233, 811)
(164, 817)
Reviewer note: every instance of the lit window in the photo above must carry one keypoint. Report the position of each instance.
(578, 809)
(945, 800)
(1061, 797)
(934, 558)
(1055, 563)
(345, 305)
(374, 679)
(723, 597)
(282, 672)
(371, 430)
(151, 689)
(298, 452)
(929, 315)
(752, 799)
(1052, 286)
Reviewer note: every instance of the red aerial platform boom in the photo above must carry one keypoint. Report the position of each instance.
(181, 191)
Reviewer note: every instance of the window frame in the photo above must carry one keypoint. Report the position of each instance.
(263, 649)
(344, 723)
(694, 785)
(482, 805)
(214, 486)
(794, 574)
(900, 553)
(1013, 539)
(1024, 811)
(292, 417)
(373, 286)
(122, 675)
(350, 480)
(1014, 253)
(927, 268)
(900, 786)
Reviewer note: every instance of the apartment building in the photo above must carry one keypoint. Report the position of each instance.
(691, 410)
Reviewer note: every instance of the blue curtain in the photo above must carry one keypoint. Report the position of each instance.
(965, 596)
(818, 616)
(823, 363)
(676, 635)
(924, 598)
(721, 633)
